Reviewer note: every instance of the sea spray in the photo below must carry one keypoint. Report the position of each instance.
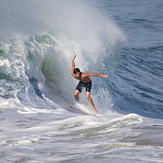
(55, 31)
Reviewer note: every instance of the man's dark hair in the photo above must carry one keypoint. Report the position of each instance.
(76, 70)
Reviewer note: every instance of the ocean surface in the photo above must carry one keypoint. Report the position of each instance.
(122, 39)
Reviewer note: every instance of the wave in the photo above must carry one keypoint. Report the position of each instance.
(42, 65)
(37, 47)
(135, 81)
(36, 63)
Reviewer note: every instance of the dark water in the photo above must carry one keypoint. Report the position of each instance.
(137, 73)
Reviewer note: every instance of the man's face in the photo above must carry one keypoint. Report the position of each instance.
(77, 75)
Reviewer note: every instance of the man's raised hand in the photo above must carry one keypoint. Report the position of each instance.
(105, 76)
(74, 57)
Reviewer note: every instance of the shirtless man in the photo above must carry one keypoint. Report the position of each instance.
(84, 81)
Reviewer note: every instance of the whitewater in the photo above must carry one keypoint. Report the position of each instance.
(120, 39)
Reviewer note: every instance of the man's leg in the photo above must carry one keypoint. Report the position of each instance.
(76, 95)
(91, 101)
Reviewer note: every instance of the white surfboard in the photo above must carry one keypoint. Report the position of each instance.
(83, 109)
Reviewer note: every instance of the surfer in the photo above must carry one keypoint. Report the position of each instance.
(84, 81)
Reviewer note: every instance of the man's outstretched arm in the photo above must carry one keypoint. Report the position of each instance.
(94, 74)
(73, 65)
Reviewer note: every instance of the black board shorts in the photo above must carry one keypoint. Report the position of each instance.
(81, 85)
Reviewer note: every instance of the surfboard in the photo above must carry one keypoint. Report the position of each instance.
(75, 107)
(83, 109)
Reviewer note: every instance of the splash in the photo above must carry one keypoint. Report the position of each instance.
(44, 36)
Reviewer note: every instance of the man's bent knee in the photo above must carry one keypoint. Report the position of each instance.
(87, 95)
(76, 95)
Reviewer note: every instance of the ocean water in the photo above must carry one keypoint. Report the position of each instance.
(122, 39)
